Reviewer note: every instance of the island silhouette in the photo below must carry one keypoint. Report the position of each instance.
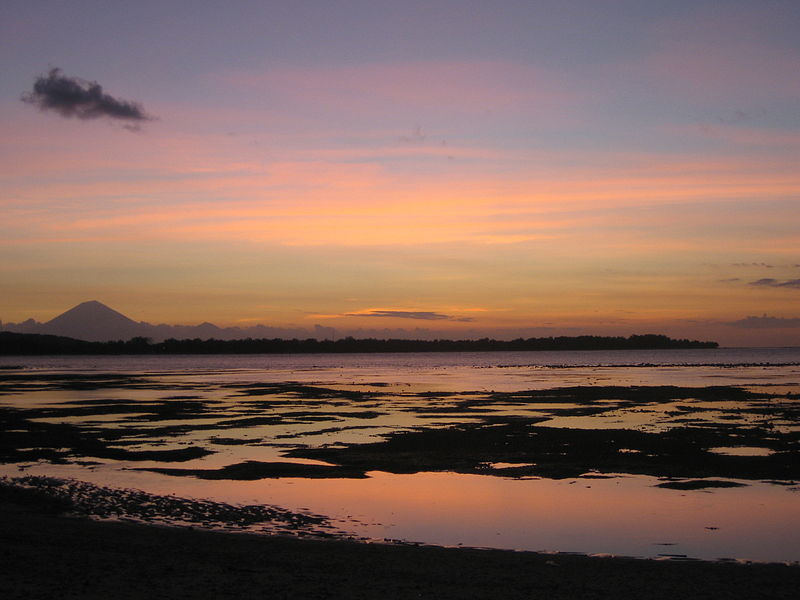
(94, 328)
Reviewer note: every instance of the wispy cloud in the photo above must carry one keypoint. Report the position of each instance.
(770, 282)
(410, 314)
(75, 97)
(766, 322)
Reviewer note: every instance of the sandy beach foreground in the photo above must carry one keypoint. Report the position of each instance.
(44, 555)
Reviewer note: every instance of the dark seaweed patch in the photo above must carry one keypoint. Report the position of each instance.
(699, 484)
(250, 422)
(307, 392)
(321, 431)
(67, 495)
(562, 453)
(222, 441)
(479, 431)
(25, 440)
(251, 470)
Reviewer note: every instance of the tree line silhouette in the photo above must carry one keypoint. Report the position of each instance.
(34, 344)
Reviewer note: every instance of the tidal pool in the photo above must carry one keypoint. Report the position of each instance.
(580, 458)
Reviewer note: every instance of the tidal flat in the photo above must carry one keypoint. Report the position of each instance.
(591, 459)
(47, 556)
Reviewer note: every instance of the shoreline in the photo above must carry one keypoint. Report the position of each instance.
(46, 555)
(254, 430)
(13, 343)
(126, 418)
(79, 499)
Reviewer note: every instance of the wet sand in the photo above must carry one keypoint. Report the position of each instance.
(556, 433)
(692, 440)
(44, 555)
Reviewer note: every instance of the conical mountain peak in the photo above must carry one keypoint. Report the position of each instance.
(94, 310)
(93, 321)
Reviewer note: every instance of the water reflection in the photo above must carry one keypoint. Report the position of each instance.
(624, 516)
(444, 454)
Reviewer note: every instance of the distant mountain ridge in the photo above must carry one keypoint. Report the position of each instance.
(93, 321)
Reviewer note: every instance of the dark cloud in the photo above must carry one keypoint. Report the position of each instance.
(770, 282)
(74, 97)
(765, 322)
(754, 264)
(407, 314)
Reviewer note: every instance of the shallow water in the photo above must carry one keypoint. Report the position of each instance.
(240, 409)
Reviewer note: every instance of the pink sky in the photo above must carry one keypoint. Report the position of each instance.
(531, 167)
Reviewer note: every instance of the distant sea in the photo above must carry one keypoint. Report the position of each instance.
(460, 370)
(728, 357)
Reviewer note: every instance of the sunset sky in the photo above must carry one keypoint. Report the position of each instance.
(463, 167)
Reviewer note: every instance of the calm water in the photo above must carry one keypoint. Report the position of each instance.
(415, 361)
(617, 515)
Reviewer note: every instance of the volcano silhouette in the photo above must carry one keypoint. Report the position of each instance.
(93, 321)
